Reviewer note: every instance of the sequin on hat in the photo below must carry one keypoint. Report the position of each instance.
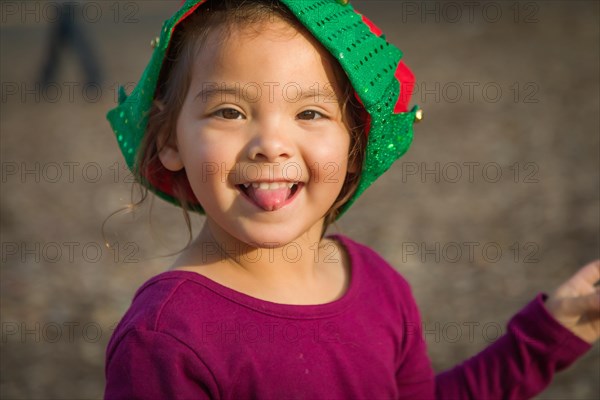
(380, 79)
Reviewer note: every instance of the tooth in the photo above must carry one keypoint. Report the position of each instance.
(255, 185)
(246, 185)
(290, 185)
(264, 185)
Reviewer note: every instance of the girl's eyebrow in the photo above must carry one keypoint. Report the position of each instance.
(324, 95)
(209, 90)
(212, 90)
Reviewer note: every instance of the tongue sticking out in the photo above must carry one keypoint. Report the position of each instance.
(269, 199)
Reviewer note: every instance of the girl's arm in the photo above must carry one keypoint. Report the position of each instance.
(547, 336)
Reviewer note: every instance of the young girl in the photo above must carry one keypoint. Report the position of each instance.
(272, 117)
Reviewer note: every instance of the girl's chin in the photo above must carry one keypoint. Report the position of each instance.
(258, 232)
(269, 236)
(269, 240)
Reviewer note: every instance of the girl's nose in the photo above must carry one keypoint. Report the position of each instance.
(270, 144)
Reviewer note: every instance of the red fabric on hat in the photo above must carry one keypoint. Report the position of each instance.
(374, 28)
(165, 180)
(407, 84)
(187, 14)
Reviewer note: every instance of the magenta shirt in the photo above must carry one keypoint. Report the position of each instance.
(188, 337)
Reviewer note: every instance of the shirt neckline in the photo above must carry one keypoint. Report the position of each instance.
(280, 309)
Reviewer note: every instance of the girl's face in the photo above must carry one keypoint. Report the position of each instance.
(261, 134)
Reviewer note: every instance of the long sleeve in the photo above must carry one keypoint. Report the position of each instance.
(415, 376)
(153, 365)
(518, 365)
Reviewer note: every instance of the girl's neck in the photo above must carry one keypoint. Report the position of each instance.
(310, 270)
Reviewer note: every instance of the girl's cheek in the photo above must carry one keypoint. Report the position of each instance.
(329, 169)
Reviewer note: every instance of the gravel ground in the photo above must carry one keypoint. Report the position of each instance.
(505, 164)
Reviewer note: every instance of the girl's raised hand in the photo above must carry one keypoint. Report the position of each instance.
(576, 303)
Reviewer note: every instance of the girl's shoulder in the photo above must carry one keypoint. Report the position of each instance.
(151, 300)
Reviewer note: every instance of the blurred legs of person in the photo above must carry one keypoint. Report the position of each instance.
(65, 31)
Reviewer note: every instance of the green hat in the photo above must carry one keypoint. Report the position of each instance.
(382, 83)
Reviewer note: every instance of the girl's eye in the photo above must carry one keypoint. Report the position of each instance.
(229, 113)
(309, 115)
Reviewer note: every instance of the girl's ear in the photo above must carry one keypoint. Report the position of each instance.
(168, 153)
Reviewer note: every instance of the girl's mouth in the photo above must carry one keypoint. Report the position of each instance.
(270, 196)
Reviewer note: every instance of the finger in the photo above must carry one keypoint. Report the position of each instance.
(590, 273)
(589, 304)
(581, 283)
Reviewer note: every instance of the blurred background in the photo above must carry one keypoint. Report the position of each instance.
(496, 201)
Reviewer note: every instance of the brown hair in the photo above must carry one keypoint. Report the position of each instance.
(175, 78)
